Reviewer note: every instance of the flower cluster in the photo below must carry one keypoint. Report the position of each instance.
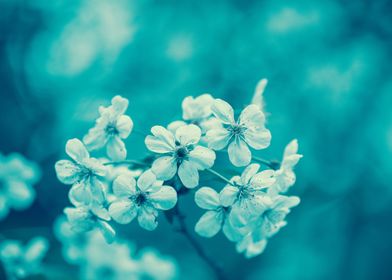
(17, 177)
(99, 260)
(249, 209)
(22, 261)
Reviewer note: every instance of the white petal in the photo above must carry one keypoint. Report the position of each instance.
(240, 215)
(124, 126)
(173, 126)
(188, 134)
(188, 174)
(258, 99)
(223, 111)
(119, 105)
(232, 233)
(209, 224)
(286, 201)
(228, 195)
(36, 249)
(263, 179)
(239, 153)
(79, 194)
(67, 171)
(218, 138)
(202, 157)
(148, 218)
(197, 108)
(252, 117)
(124, 186)
(258, 139)
(20, 195)
(249, 172)
(164, 199)
(207, 198)
(162, 142)
(107, 231)
(164, 167)
(116, 149)
(123, 211)
(96, 189)
(76, 150)
(146, 180)
(95, 138)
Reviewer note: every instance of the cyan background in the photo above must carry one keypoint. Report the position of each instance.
(329, 70)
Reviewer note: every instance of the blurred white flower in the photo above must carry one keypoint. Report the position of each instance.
(23, 261)
(237, 135)
(110, 128)
(181, 153)
(266, 225)
(285, 176)
(155, 266)
(83, 173)
(83, 218)
(17, 177)
(141, 199)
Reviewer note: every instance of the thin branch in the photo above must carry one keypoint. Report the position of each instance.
(128, 161)
(217, 174)
(219, 273)
(271, 164)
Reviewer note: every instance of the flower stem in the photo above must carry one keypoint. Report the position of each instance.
(217, 174)
(217, 269)
(128, 161)
(271, 164)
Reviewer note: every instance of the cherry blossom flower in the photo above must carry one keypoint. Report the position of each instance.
(237, 135)
(180, 153)
(141, 199)
(84, 173)
(110, 129)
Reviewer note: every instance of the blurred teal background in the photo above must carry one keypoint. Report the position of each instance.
(329, 69)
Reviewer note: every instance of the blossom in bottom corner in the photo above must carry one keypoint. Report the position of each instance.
(23, 261)
(141, 199)
(216, 217)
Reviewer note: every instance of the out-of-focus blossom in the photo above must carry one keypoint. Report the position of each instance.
(285, 176)
(249, 130)
(156, 266)
(180, 153)
(216, 216)
(22, 261)
(110, 129)
(258, 98)
(246, 195)
(142, 199)
(84, 173)
(84, 218)
(266, 225)
(17, 177)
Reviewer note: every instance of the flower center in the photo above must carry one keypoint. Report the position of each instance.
(182, 152)
(236, 129)
(140, 198)
(111, 129)
(244, 192)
